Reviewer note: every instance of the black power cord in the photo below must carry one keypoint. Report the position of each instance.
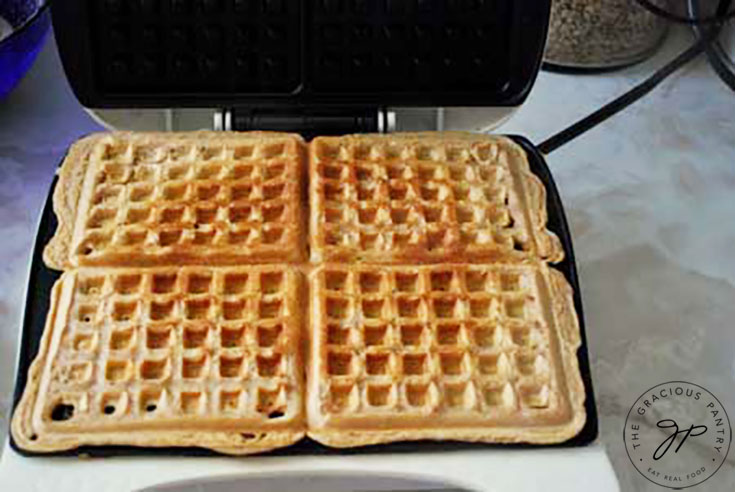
(723, 13)
(640, 90)
(551, 144)
(717, 54)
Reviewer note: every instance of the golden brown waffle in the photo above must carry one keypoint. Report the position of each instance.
(143, 347)
(159, 198)
(192, 356)
(426, 198)
(449, 351)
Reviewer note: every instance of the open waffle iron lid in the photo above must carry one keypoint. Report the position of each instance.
(295, 54)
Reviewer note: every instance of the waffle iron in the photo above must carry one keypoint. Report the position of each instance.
(321, 67)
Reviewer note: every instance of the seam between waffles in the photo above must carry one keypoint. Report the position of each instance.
(523, 195)
(535, 213)
(536, 218)
(79, 155)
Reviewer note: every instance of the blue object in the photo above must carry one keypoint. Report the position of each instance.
(30, 21)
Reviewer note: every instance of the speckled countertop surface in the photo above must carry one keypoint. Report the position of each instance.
(650, 196)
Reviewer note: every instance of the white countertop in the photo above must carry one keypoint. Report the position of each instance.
(649, 195)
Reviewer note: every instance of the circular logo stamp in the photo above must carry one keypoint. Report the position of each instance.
(677, 434)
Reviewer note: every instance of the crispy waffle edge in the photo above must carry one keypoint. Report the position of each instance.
(56, 254)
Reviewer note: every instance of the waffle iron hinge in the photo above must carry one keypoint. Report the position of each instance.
(308, 122)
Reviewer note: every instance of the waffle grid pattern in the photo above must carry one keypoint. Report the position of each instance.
(157, 346)
(430, 341)
(354, 48)
(460, 336)
(362, 45)
(202, 46)
(403, 202)
(193, 199)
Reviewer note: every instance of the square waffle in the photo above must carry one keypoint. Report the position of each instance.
(159, 199)
(192, 356)
(426, 198)
(448, 351)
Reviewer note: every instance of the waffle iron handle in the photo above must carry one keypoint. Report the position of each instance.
(308, 122)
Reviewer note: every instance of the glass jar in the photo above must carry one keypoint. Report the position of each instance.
(600, 34)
